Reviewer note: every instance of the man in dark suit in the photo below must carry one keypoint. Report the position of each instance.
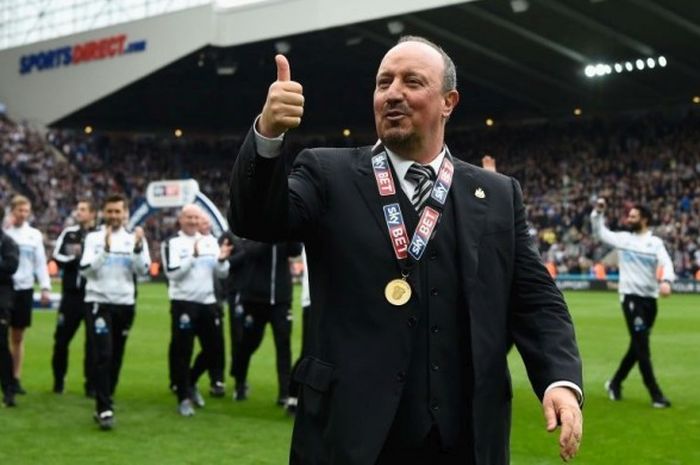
(409, 336)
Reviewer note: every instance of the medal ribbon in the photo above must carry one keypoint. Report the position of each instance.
(429, 219)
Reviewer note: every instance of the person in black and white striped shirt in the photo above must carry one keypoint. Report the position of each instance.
(640, 256)
(71, 312)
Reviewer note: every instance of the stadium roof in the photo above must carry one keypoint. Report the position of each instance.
(516, 59)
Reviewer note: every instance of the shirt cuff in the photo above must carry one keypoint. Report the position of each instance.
(267, 147)
(567, 384)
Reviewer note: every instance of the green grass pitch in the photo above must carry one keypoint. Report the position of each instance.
(58, 429)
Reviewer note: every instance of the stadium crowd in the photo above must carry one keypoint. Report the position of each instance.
(562, 166)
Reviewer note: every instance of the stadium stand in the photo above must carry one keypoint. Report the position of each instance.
(562, 166)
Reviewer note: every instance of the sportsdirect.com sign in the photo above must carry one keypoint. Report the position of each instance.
(93, 50)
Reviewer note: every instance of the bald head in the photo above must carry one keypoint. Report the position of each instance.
(189, 219)
(449, 75)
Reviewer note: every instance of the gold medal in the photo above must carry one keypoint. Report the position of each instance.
(397, 292)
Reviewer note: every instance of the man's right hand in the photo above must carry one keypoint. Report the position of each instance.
(284, 105)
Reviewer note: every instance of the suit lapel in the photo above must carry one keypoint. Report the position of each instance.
(471, 200)
(367, 185)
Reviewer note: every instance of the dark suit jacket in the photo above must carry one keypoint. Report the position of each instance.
(359, 341)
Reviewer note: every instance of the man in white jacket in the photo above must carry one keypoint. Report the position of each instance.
(32, 264)
(191, 262)
(640, 256)
(112, 257)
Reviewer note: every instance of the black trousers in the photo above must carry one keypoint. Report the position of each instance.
(256, 316)
(71, 312)
(6, 379)
(430, 452)
(189, 319)
(235, 326)
(108, 329)
(640, 314)
(214, 363)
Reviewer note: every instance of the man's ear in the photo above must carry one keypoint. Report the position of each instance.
(450, 101)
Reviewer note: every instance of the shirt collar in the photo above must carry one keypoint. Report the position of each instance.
(401, 165)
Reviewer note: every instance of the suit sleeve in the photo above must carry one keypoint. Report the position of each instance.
(9, 259)
(269, 206)
(294, 249)
(541, 325)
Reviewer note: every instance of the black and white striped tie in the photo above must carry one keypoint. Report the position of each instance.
(423, 177)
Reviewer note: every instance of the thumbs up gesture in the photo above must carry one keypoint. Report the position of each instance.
(284, 105)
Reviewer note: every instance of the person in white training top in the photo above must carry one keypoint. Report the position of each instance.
(191, 262)
(640, 256)
(32, 264)
(112, 257)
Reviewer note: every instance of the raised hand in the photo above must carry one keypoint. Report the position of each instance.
(138, 236)
(284, 105)
(488, 163)
(600, 205)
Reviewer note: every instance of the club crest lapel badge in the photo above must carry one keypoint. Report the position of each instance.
(479, 193)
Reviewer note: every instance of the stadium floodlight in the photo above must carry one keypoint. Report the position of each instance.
(395, 27)
(604, 69)
(88, 129)
(696, 99)
(227, 69)
(346, 132)
(352, 41)
(519, 6)
(178, 132)
(282, 46)
(578, 111)
(489, 122)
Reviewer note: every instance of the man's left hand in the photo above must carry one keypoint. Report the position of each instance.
(225, 250)
(561, 407)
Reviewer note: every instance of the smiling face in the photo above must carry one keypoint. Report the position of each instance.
(114, 214)
(410, 105)
(189, 219)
